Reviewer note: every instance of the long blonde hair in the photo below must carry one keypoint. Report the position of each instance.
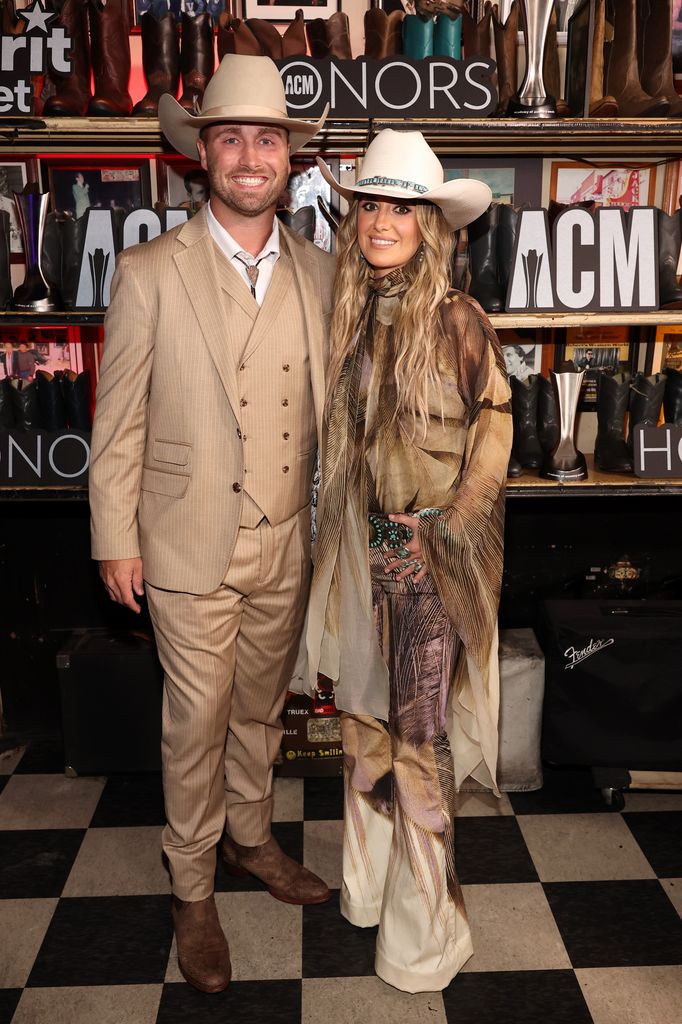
(417, 327)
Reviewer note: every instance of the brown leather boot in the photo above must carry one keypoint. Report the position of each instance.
(623, 76)
(293, 40)
(506, 56)
(383, 33)
(73, 89)
(550, 68)
(656, 68)
(110, 49)
(330, 37)
(203, 953)
(285, 879)
(196, 59)
(600, 105)
(234, 36)
(160, 60)
(267, 35)
(476, 34)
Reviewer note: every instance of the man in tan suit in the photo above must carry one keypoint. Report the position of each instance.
(209, 412)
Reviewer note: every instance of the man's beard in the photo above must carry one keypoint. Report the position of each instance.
(248, 205)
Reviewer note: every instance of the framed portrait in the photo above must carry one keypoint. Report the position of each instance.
(596, 350)
(182, 183)
(672, 186)
(309, 204)
(666, 349)
(624, 185)
(516, 180)
(522, 354)
(77, 184)
(282, 10)
(15, 172)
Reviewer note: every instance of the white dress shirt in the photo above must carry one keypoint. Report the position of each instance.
(238, 257)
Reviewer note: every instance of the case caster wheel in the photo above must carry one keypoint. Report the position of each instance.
(613, 798)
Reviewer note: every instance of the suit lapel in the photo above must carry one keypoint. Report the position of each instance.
(307, 276)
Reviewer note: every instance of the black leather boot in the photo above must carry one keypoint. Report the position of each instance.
(669, 241)
(507, 226)
(73, 237)
(548, 416)
(50, 400)
(196, 60)
(672, 397)
(525, 417)
(302, 221)
(610, 450)
(76, 387)
(6, 405)
(110, 49)
(514, 468)
(485, 286)
(646, 399)
(25, 403)
(160, 60)
(5, 261)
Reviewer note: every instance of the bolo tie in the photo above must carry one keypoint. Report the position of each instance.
(251, 268)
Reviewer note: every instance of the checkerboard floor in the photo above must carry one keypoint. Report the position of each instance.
(575, 911)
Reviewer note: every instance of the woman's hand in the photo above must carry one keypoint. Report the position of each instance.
(411, 564)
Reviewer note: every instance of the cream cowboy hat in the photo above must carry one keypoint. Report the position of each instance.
(243, 90)
(402, 165)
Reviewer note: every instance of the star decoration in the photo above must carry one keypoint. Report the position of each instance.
(36, 17)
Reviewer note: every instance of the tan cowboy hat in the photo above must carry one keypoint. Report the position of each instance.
(402, 165)
(244, 90)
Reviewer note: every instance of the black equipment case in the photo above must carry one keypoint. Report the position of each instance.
(111, 686)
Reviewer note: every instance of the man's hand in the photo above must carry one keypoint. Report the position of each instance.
(122, 578)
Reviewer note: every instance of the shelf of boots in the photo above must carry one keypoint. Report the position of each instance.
(578, 136)
(614, 485)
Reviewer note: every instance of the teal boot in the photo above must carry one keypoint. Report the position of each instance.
(447, 36)
(417, 36)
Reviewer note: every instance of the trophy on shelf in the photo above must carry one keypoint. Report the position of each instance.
(35, 294)
(532, 101)
(564, 462)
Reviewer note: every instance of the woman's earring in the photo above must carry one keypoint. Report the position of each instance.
(419, 255)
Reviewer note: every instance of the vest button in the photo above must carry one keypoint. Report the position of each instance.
(242, 402)
(285, 469)
(285, 435)
(285, 401)
(286, 367)
(236, 488)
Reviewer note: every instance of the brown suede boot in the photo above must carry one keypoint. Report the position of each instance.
(203, 953)
(285, 879)
(476, 34)
(506, 55)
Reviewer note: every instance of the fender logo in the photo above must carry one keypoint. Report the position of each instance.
(575, 657)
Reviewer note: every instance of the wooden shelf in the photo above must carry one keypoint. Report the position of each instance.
(67, 318)
(613, 485)
(635, 138)
(654, 318)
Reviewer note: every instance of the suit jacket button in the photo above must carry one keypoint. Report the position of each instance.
(236, 488)
(285, 401)
(285, 435)
(286, 367)
(285, 469)
(242, 401)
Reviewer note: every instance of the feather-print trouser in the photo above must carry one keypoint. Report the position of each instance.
(398, 849)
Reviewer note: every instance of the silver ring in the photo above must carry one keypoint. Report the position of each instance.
(401, 552)
(417, 566)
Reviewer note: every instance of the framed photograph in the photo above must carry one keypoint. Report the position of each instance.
(625, 185)
(596, 350)
(667, 349)
(522, 357)
(78, 184)
(15, 172)
(308, 191)
(27, 349)
(515, 180)
(182, 183)
(672, 186)
(281, 10)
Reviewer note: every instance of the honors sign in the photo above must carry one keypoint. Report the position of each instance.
(395, 87)
(658, 451)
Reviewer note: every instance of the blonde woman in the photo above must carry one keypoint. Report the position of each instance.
(409, 552)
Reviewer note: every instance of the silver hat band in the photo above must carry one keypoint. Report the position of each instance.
(411, 186)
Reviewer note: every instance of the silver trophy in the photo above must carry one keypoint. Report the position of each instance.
(565, 462)
(532, 101)
(36, 294)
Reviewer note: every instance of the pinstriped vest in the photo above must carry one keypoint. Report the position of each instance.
(276, 410)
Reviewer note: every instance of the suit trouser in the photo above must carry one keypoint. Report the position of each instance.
(398, 850)
(227, 658)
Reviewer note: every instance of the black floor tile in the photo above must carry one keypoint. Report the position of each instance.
(333, 948)
(243, 1002)
(128, 801)
(491, 850)
(564, 791)
(9, 997)
(289, 835)
(616, 924)
(111, 940)
(36, 863)
(4, 779)
(322, 799)
(516, 997)
(43, 756)
(659, 834)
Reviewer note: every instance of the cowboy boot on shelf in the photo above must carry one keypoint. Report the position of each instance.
(485, 284)
(25, 404)
(73, 238)
(447, 36)
(506, 55)
(50, 400)
(548, 416)
(600, 105)
(476, 34)
(72, 94)
(418, 36)
(672, 397)
(565, 462)
(160, 61)
(623, 74)
(291, 44)
(301, 221)
(611, 453)
(551, 72)
(5, 261)
(6, 405)
(514, 467)
(383, 33)
(646, 399)
(669, 244)
(196, 58)
(330, 37)
(76, 388)
(526, 443)
(507, 226)
(656, 44)
(234, 36)
(110, 55)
